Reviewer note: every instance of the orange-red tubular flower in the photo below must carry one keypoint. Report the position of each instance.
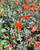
(25, 16)
(30, 40)
(32, 29)
(17, 2)
(24, 34)
(33, 5)
(37, 44)
(24, 6)
(27, 36)
(0, 4)
(2, 1)
(1, 13)
(36, 28)
(35, 9)
(10, 45)
(34, 46)
(34, 1)
(33, 26)
(15, 35)
(18, 24)
(11, 37)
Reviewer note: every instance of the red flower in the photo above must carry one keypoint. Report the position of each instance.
(33, 1)
(24, 34)
(35, 9)
(33, 5)
(17, 2)
(37, 44)
(32, 29)
(10, 45)
(33, 46)
(24, 6)
(29, 39)
(0, 4)
(27, 36)
(11, 37)
(2, 1)
(25, 16)
(1, 13)
(33, 26)
(18, 24)
(36, 28)
(15, 35)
